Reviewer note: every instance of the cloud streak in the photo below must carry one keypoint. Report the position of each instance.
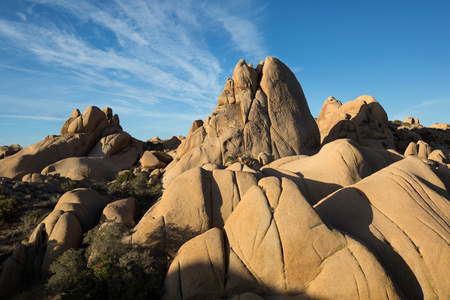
(160, 43)
(35, 118)
(156, 55)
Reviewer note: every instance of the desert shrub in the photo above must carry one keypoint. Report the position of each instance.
(99, 188)
(31, 219)
(139, 188)
(9, 207)
(406, 123)
(397, 122)
(69, 185)
(125, 176)
(108, 269)
(233, 158)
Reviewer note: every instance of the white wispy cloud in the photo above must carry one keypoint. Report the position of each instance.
(143, 53)
(35, 118)
(435, 102)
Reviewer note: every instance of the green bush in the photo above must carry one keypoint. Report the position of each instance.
(406, 123)
(108, 269)
(138, 188)
(99, 188)
(9, 207)
(233, 158)
(125, 176)
(397, 122)
(69, 185)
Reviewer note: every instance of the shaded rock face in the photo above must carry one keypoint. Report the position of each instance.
(75, 213)
(362, 120)
(92, 142)
(259, 110)
(406, 223)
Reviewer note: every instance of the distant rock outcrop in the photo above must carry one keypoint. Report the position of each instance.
(362, 120)
(443, 126)
(9, 150)
(411, 121)
(91, 145)
(259, 110)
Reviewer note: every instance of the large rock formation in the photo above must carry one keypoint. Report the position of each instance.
(352, 220)
(91, 145)
(260, 110)
(275, 244)
(402, 213)
(362, 120)
(196, 201)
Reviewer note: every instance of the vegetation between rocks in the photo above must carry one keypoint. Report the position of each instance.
(107, 268)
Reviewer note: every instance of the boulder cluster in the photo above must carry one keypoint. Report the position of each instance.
(261, 201)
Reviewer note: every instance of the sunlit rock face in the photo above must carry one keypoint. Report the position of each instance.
(261, 110)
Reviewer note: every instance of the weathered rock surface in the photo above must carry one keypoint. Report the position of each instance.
(403, 213)
(121, 211)
(412, 121)
(362, 120)
(338, 164)
(443, 126)
(9, 150)
(75, 213)
(92, 142)
(260, 110)
(196, 201)
(275, 244)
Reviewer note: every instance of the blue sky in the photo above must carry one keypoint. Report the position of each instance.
(162, 64)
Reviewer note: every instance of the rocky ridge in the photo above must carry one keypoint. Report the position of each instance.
(261, 201)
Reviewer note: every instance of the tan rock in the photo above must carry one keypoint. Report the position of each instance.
(122, 211)
(411, 121)
(401, 212)
(271, 117)
(150, 161)
(75, 114)
(438, 155)
(411, 149)
(80, 168)
(227, 95)
(182, 280)
(110, 144)
(11, 272)
(198, 200)
(87, 205)
(9, 150)
(66, 234)
(288, 109)
(35, 158)
(338, 164)
(163, 157)
(362, 120)
(423, 149)
(443, 126)
(307, 258)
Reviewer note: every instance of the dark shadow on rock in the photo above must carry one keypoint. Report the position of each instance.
(212, 286)
(350, 211)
